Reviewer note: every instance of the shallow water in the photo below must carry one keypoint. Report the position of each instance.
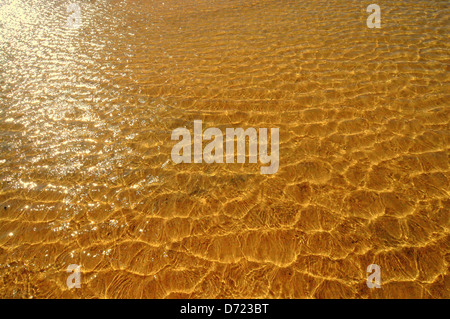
(86, 177)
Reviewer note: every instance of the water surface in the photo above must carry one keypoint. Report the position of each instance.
(86, 178)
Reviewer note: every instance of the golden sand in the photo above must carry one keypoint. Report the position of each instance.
(86, 177)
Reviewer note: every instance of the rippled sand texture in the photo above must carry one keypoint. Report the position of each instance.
(85, 170)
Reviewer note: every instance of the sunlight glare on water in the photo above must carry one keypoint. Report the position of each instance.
(86, 116)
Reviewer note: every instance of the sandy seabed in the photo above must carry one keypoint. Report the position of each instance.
(85, 137)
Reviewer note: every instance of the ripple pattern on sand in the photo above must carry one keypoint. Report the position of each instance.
(86, 178)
